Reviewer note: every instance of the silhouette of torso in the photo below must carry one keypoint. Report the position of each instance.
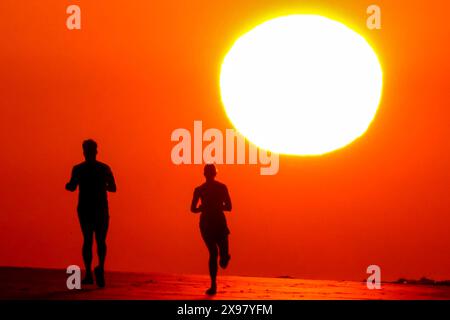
(92, 178)
(213, 195)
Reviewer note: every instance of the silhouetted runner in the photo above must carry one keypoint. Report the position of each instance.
(94, 179)
(215, 200)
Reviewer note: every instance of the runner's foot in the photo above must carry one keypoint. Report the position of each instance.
(99, 277)
(88, 279)
(211, 291)
(223, 262)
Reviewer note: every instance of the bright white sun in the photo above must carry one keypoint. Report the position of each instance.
(301, 84)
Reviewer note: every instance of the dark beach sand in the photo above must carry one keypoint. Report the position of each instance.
(28, 283)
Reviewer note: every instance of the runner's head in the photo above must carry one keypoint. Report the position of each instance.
(210, 171)
(89, 149)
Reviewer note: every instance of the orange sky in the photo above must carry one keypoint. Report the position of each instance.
(138, 70)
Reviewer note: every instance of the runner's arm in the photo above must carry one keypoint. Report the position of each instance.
(194, 202)
(110, 182)
(227, 201)
(73, 183)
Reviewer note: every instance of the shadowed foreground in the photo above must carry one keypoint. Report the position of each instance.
(27, 283)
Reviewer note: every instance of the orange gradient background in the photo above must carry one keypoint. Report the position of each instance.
(138, 70)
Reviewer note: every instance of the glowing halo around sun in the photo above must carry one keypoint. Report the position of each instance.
(301, 84)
